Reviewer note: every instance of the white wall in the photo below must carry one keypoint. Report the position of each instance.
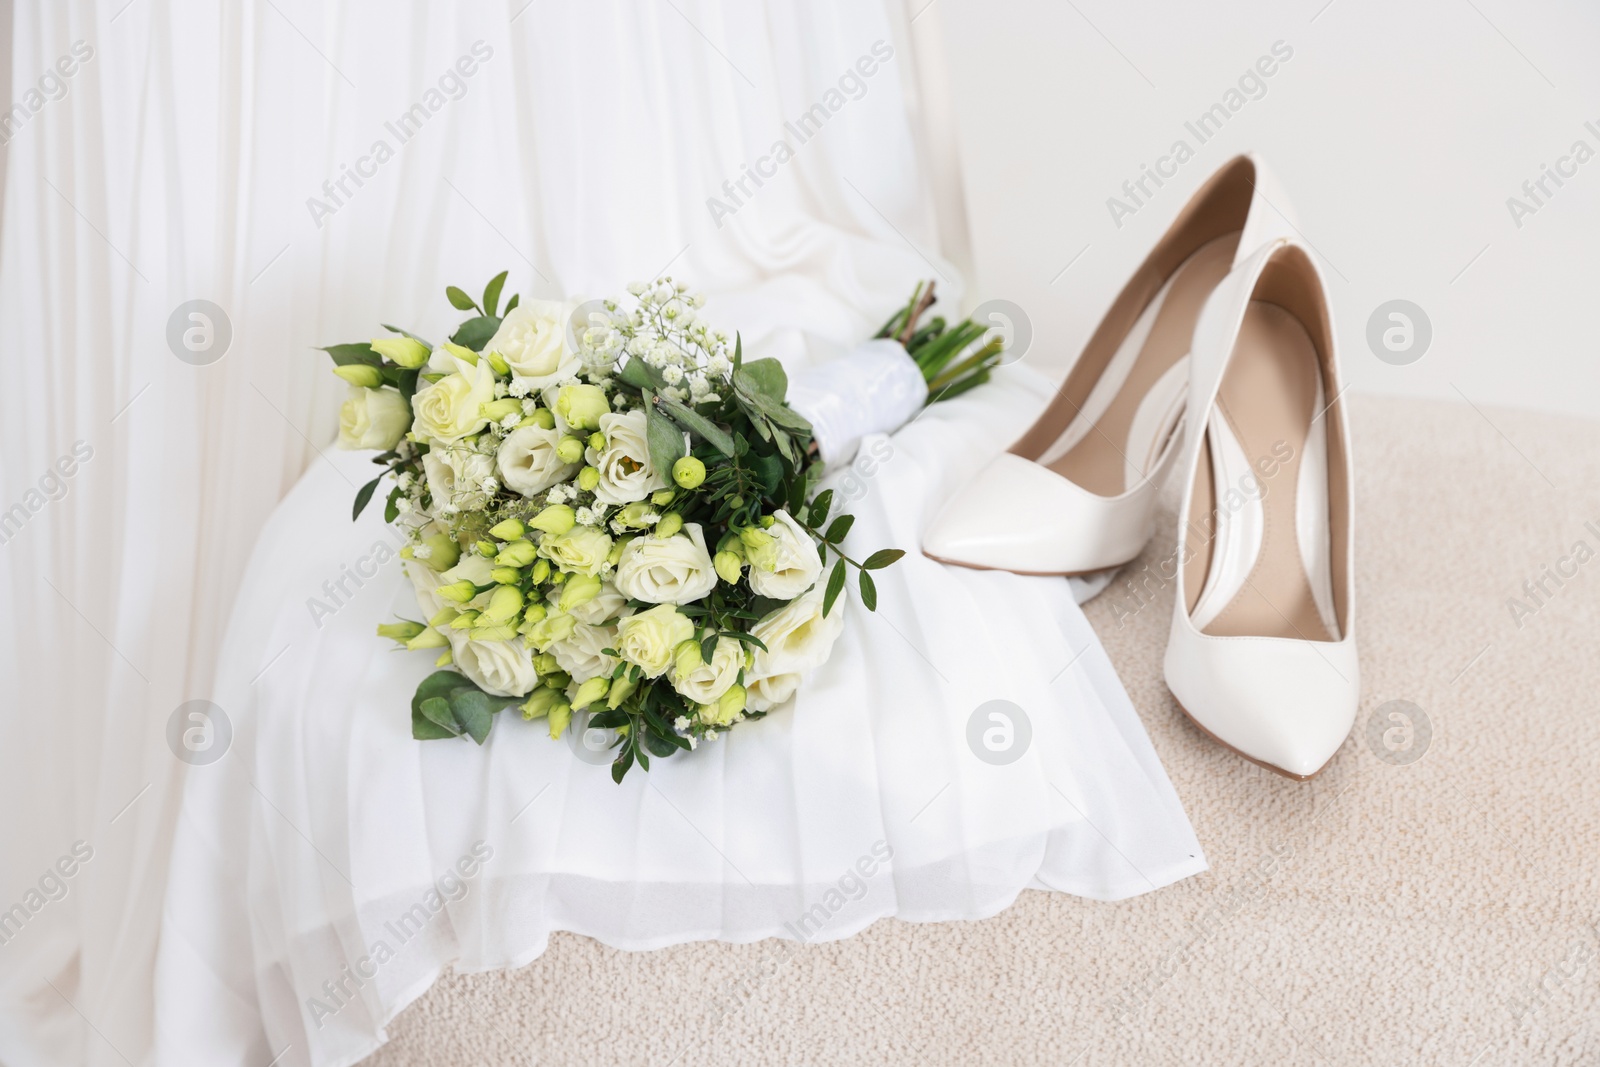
(1399, 128)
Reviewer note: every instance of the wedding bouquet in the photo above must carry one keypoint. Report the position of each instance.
(608, 510)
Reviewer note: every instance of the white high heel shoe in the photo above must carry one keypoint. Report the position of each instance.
(1262, 652)
(1090, 468)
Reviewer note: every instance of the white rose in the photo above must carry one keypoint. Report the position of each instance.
(424, 580)
(455, 475)
(373, 418)
(625, 471)
(502, 668)
(528, 463)
(580, 655)
(764, 694)
(451, 408)
(581, 550)
(798, 563)
(704, 682)
(797, 636)
(649, 638)
(667, 570)
(532, 339)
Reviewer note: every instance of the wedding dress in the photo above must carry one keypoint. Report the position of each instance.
(966, 741)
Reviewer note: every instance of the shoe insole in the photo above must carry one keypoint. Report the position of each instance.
(1268, 399)
(1102, 459)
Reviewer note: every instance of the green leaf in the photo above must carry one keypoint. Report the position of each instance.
(408, 384)
(474, 710)
(882, 558)
(658, 745)
(438, 685)
(696, 423)
(437, 721)
(609, 719)
(769, 472)
(869, 592)
(491, 292)
(817, 514)
(763, 377)
(512, 303)
(407, 333)
(641, 375)
(460, 300)
(475, 333)
(664, 438)
(835, 587)
(344, 355)
(363, 495)
(839, 529)
(619, 766)
(391, 510)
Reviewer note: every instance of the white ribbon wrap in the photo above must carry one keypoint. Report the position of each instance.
(875, 388)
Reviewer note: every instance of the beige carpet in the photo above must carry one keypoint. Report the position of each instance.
(1438, 912)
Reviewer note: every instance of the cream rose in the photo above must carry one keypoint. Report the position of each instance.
(373, 418)
(797, 561)
(797, 636)
(580, 655)
(764, 694)
(451, 408)
(502, 668)
(625, 471)
(667, 570)
(532, 339)
(581, 550)
(704, 682)
(649, 638)
(455, 475)
(528, 463)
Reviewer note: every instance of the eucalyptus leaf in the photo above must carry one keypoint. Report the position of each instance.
(665, 440)
(435, 712)
(764, 377)
(696, 423)
(474, 710)
(491, 292)
(475, 333)
(641, 375)
(835, 587)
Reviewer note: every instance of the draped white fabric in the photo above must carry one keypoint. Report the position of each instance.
(231, 153)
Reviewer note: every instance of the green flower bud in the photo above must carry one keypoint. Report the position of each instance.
(362, 374)
(406, 351)
(508, 530)
(633, 516)
(499, 632)
(688, 472)
(588, 478)
(498, 362)
(443, 552)
(556, 519)
(516, 554)
(459, 592)
(532, 616)
(726, 709)
(760, 547)
(496, 410)
(550, 629)
(579, 590)
(767, 521)
(541, 572)
(465, 621)
(558, 578)
(485, 549)
(615, 555)
(543, 418)
(504, 602)
(558, 680)
(686, 657)
(540, 701)
(402, 631)
(670, 524)
(582, 406)
(597, 440)
(429, 638)
(444, 658)
(560, 719)
(445, 617)
(729, 565)
(589, 692)
(461, 352)
(569, 450)
(505, 576)
(662, 497)
(545, 664)
(621, 689)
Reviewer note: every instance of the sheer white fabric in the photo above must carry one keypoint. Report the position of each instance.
(181, 163)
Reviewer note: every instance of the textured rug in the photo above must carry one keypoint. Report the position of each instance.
(1433, 897)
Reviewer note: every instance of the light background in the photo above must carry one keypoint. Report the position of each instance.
(1399, 131)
